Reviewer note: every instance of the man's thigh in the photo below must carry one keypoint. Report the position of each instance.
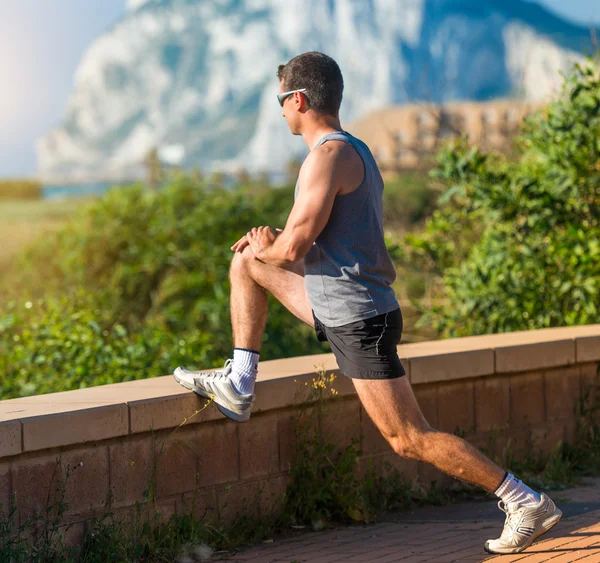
(392, 406)
(286, 284)
(296, 267)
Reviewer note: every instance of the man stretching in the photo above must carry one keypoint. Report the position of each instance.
(330, 267)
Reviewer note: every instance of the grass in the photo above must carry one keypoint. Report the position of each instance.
(23, 221)
(20, 189)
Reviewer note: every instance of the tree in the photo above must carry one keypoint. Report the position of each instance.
(515, 245)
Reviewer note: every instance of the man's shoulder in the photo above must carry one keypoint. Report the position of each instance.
(337, 162)
(333, 153)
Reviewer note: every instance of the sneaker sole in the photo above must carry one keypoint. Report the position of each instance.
(236, 416)
(546, 526)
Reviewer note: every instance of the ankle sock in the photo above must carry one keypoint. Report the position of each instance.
(244, 370)
(513, 490)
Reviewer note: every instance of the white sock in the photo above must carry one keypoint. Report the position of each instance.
(513, 490)
(244, 370)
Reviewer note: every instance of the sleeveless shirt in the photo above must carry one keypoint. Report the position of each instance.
(348, 271)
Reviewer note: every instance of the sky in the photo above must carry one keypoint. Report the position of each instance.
(41, 44)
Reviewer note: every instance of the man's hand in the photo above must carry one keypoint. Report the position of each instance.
(260, 239)
(244, 241)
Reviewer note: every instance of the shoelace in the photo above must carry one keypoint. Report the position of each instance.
(222, 374)
(511, 519)
(218, 374)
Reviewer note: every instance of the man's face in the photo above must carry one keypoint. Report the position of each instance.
(289, 112)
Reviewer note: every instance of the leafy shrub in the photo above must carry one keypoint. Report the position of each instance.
(516, 245)
(407, 200)
(64, 344)
(132, 277)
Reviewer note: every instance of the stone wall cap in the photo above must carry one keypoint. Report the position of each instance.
(273, 392)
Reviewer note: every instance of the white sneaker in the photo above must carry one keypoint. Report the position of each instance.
(523, 525)
(217, 385)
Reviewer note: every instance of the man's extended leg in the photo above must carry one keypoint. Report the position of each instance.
(392, 406)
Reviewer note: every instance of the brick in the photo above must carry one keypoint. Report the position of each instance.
(281, 393)
(526, 399)
(218, 453)
(339, 423)
(444, 367)
(271, 494)
(570, 431)
(491, 443)
(157, 413)
(428, 474)
(259, 447)
(427, 399)
(590, 384)
(237, 500)
(588, 349)
(301, 423)
(74, 427)
(563, 390)
(455, 407)
(164, 509)
(518, 444)
(4, 488)
(73, 534)
(373, 441)
(87, 485)
(201, 504)
(385, 464)
(131, 469)
(533, 356)
(34, 481)
(546, 437)
(288, 382)
(176, 463)
(10, 438)
(492, 403)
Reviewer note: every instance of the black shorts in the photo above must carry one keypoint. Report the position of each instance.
(366, 349)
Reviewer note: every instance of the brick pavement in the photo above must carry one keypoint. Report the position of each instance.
(444, 535)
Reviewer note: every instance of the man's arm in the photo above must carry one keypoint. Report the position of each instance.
(309, 215)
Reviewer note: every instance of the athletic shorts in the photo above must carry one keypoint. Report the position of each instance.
(366, 349)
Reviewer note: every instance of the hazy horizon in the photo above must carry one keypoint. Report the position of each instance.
(41, 45)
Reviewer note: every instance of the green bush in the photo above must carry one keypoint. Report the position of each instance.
(64, 344)
(516, 244)
(407, 200)
(132, 277)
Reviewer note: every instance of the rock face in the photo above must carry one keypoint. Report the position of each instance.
(196, 78)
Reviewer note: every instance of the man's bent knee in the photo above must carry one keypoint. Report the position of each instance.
(240, 262)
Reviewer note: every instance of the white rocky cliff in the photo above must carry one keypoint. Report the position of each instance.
(196, 78)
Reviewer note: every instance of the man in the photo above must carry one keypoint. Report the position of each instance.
(330, 267)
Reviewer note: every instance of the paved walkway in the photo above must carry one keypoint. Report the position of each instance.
(445, 535)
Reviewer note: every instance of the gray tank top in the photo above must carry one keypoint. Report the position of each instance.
(348, 271)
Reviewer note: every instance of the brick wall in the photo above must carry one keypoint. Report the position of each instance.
(521, 386)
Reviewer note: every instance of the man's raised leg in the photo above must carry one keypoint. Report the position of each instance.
(232, 387)
(250, 281)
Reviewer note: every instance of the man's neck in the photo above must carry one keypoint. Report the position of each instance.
(319, 129)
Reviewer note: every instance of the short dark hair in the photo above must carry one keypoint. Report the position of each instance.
(322, 78)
